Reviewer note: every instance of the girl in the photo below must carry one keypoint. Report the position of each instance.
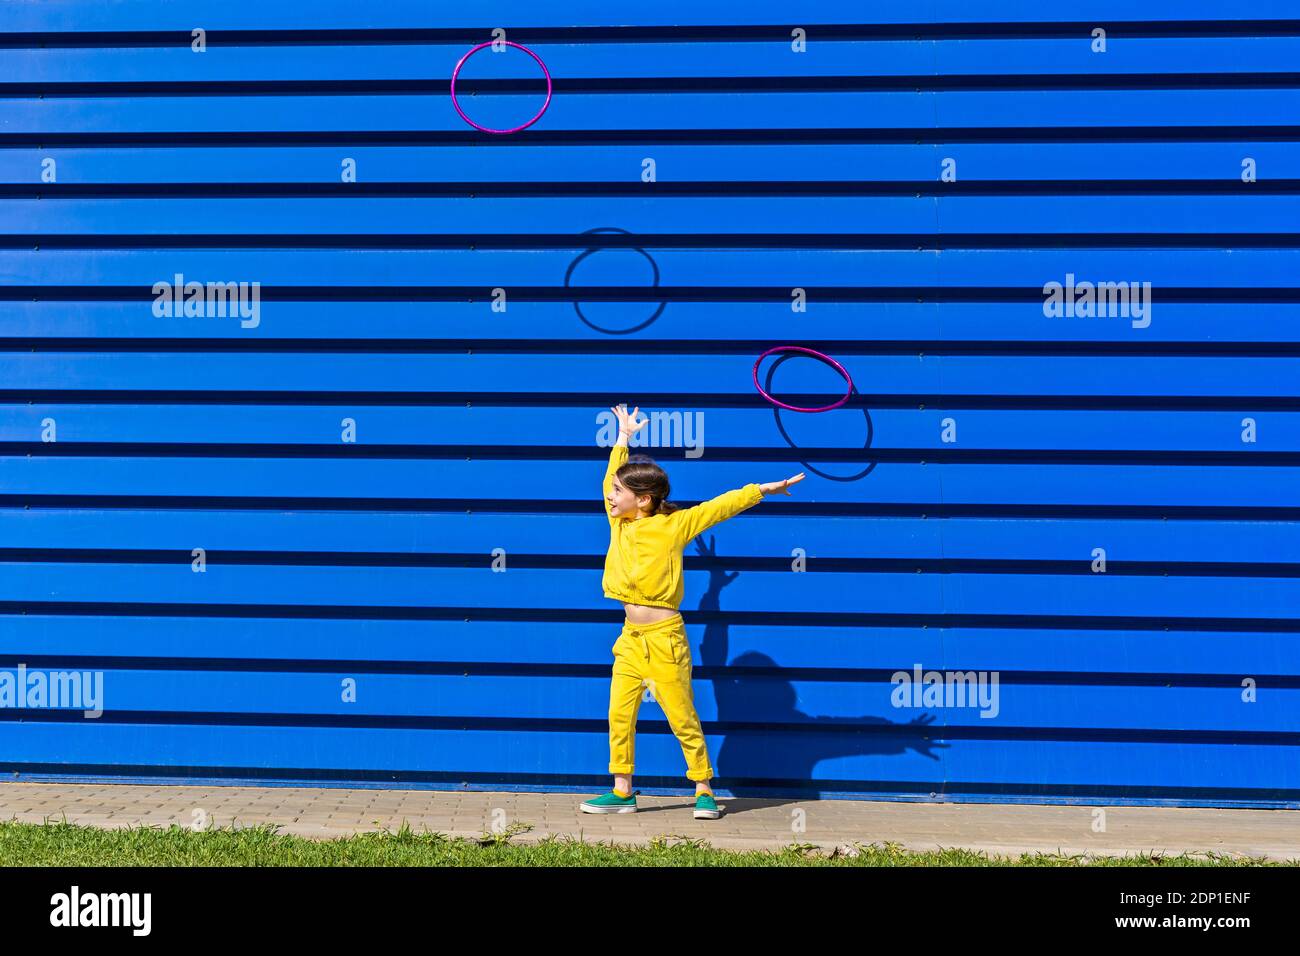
(643, 570)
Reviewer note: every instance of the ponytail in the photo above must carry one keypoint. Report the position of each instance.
(665, 508)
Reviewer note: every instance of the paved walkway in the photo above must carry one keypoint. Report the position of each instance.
(747, 824)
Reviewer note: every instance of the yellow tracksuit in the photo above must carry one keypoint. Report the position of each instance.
(644, 566)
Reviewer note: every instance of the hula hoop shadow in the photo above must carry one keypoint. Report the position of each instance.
(568, 276)
(776, 414)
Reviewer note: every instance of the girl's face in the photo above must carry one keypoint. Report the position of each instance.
(623, 502)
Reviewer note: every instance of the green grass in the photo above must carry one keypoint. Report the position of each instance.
(68, 844)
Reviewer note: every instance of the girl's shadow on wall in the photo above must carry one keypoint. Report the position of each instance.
(754, 760)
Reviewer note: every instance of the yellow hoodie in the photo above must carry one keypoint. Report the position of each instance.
(644, 561)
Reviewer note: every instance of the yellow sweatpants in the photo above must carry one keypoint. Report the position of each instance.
(658, 656)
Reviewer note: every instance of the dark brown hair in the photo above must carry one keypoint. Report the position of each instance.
(642, 476)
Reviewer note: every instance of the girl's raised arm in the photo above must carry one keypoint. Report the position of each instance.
(618, 451)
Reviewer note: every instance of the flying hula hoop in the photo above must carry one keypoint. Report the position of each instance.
(813, 352)
(514, 129)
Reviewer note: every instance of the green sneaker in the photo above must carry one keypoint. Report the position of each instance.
(612, 802)
(706, 808)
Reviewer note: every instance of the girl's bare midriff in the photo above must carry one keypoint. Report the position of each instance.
(646, 614)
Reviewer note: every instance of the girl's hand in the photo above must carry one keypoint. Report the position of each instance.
(781, 487)
(627, 423)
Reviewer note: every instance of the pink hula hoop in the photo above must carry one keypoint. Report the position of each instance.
(813, 352)
(456, 72)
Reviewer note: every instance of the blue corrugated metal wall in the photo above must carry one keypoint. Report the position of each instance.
(921, 171)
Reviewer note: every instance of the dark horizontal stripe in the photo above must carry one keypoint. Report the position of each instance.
(386, 612)
(657, 293)
(1045, 792)
(350, 451)
(713, 187)
(407, 559)
(560, 346)
(717, 240)
(504, 399)
(783, 137)
(713, 33)
(657, 84)
(842, 675)
(553, 725)
(849, 509)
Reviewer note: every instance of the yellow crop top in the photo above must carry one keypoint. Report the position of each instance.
(644, 561)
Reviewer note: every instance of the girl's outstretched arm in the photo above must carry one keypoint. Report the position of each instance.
(689, 522)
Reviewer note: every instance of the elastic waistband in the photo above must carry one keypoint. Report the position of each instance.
(668, 622)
